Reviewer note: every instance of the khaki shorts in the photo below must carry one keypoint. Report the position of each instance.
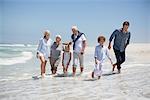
(78, 57)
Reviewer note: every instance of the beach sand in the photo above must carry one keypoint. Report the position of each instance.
(16, 82)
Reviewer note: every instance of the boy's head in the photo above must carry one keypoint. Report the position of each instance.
(101, 40)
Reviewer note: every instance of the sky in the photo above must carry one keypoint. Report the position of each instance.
(24, 21)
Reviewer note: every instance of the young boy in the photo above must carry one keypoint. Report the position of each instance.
(66, 58)
(55, 57)
(100, 54)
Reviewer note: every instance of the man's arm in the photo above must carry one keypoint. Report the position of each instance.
(128, 40)
(111, 38)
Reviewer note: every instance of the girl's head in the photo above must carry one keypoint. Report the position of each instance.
(46, 34)
(101, 40)
(58, 38)
(67, 48)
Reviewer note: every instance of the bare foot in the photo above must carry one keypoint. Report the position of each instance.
(99, 77)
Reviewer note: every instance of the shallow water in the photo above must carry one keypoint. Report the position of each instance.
(16, 80)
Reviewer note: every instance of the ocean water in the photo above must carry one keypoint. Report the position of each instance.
(18, 64)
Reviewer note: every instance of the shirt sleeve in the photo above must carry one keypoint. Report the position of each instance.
(95, 54)
(128, 40)
(39, 45)
(112, 36)
(83, 37)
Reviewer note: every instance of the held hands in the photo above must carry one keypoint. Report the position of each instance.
(37, 55)
(82, 52)
(97, 61)
(109, 46)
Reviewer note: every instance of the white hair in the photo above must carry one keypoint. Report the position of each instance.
(74, 27)
(47, 31)
(59, 36)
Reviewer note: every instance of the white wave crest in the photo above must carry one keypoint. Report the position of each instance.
(22, 59)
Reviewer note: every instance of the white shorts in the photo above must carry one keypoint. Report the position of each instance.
(42, 55)
(78, 57)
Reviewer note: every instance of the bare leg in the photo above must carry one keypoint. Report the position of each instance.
(74, 71)
(43, 64)
(92, 74)
(114, 65)
(81, 69)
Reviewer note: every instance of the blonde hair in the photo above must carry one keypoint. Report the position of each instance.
(46, 32)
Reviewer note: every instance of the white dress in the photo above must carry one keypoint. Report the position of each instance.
(100, 54)
(44, 48)
(66, 58)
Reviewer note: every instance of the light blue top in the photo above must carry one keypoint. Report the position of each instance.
(101, 52)
(44, 47)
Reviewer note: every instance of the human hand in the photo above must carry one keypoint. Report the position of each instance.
(96, 61)
(37, 55)
(109, 46)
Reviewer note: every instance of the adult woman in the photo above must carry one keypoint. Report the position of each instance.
(43, 51)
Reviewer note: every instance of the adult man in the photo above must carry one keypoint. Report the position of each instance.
(121, 40)
(79, 44)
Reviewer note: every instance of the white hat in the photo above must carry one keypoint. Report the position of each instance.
(58, 36)
(75, 27)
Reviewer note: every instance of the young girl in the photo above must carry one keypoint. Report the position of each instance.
(66, 58)
(100, 54)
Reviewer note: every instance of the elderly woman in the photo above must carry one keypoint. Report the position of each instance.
(43, 51)
(56, 50)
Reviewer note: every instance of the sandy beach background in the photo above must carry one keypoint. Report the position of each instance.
(18, 64)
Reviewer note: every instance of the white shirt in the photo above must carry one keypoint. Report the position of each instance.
(79, 43)
(67, 56)
(101, 53)
(44, 47)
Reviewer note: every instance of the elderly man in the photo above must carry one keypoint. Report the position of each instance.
(121, 40)
(79, 44)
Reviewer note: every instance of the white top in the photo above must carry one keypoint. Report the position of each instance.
(44, 47)
(79, 43)
(66, 58)
(101, 53)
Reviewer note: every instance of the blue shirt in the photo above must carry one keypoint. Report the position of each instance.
(44, 47)
(120, 39)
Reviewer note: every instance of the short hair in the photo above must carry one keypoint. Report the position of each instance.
(101, 37)
(46, 32)
(126, 23)
(74, 27)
